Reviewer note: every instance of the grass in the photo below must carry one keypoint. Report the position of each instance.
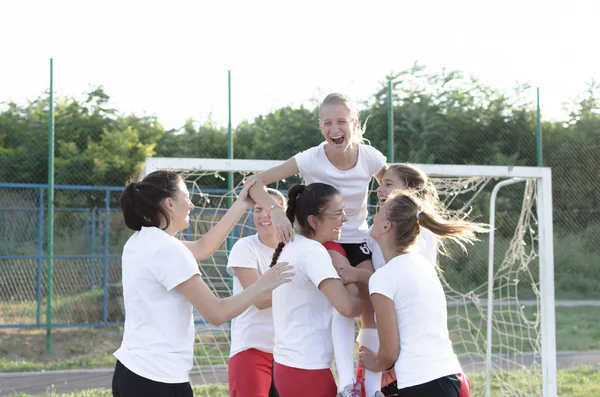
(86, 348)
(574, 382)
(576, 328)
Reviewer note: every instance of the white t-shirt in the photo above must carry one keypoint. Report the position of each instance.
(158, 343)
(353, 184)
(425, 348)
(425, 245)
(252, 329)
(301, 312)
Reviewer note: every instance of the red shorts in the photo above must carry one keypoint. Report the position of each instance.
(296, 382)
(249, 373)
(465, 386)
(332, 245)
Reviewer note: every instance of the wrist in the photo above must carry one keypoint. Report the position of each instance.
(274, 207)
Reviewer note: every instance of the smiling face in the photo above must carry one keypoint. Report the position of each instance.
(337, 125)
(390, 182)
(328, 226)
(380, 223)
(179, 207)
(262, 218)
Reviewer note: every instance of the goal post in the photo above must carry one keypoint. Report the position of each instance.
(502, 322)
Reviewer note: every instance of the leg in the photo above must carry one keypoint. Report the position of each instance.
(249, 374)
(294, 382)
(342, 329)
(447, 386)
(130, 384)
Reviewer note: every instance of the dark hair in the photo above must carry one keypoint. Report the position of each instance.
(141, 201)
(408, 214)
(304, 201)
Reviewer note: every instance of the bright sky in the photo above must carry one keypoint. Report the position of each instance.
(170, 58)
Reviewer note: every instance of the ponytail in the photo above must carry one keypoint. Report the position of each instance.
(408, 214)
(141, 202)
(293, 194)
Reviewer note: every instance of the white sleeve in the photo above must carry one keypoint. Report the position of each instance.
(242, 255)
(173, 265)
(376, 160)
(306, 160)
(427, 246)
(381, 283)
(317, 266)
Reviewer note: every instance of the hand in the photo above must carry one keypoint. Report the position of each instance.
(367, 358)
(348, 274)
(274, 277)
(281, 223)
(244, 197)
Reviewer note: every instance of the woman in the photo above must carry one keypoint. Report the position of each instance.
(409, 300)
(250, 366)
(162, 285)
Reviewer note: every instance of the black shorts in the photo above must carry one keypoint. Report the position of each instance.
(357, 253)
(448, 386)
(128, 384)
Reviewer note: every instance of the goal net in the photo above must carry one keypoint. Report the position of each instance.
(500, 295)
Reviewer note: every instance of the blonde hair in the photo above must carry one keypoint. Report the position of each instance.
(417, 182)
(409, 214)
(339, 99)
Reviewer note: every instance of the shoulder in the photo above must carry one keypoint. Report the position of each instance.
(370, 150)
(245, 243)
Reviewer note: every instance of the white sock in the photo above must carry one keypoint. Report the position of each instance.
(342, 333)
(369, 338)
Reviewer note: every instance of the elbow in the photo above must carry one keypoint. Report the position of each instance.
(262, 305)
(388, 357)
(352, 309)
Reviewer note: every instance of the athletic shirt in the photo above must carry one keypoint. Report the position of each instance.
(301, 312)
(426, 351)
(158, 343)
(425, 245)
(353, 184)
(252, 329)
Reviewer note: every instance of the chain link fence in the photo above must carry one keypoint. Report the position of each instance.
(438, 119)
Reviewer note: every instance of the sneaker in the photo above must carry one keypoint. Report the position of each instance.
(353, 390)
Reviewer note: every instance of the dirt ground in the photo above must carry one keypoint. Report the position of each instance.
(67, 343)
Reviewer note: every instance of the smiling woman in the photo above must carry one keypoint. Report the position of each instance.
(303, 309)
(162, 285)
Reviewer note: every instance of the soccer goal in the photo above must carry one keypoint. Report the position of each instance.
(500, 295)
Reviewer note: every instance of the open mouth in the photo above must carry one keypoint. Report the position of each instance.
(338, 140)
(265, 224)
(382, 199)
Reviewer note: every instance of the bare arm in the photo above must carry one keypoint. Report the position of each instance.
(247, 277)
(379, 175)
(344, 302)
(217, 311)
(389, 341)
(204, 247)
(258, 193)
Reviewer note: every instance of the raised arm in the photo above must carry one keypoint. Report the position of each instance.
(217, 311)
(258, 193)
(206, 245)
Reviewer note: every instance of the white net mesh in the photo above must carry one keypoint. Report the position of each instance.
(516, 341)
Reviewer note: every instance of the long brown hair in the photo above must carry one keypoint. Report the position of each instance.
(409, 214)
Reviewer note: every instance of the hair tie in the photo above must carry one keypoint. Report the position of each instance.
(418, 213)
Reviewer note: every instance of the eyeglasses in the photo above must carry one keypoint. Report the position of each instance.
(335, 215)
